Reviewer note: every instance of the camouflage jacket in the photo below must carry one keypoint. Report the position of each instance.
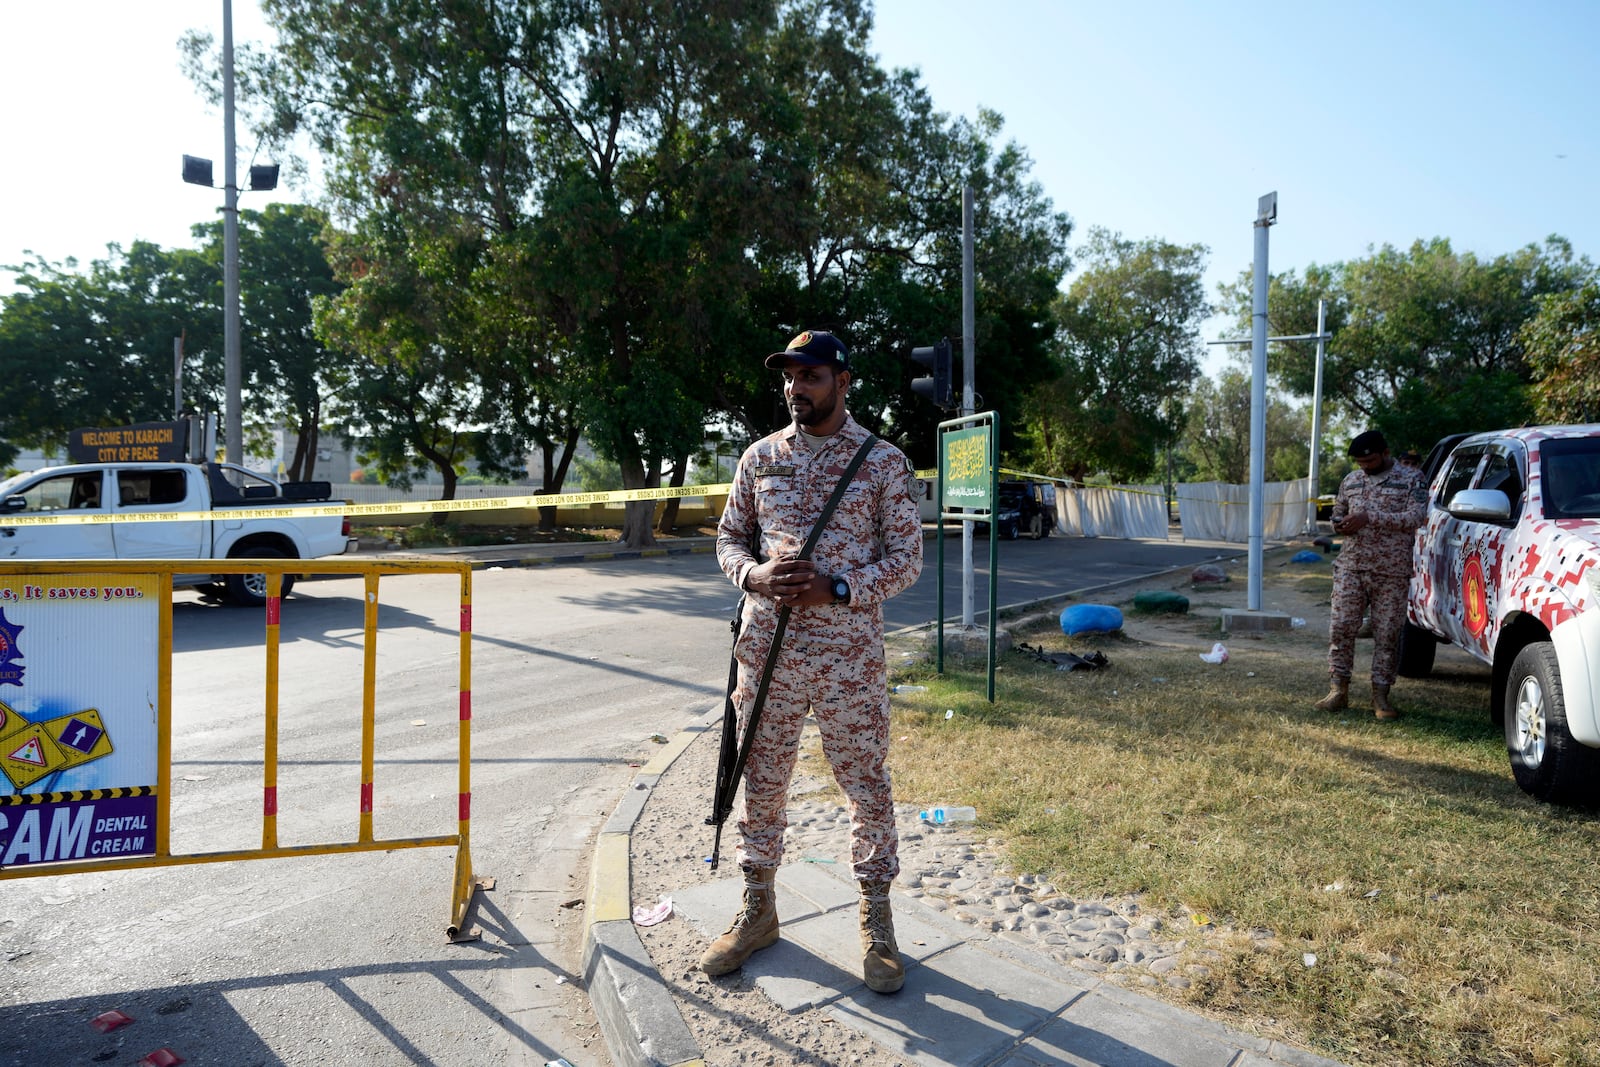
(1395, 502)
(873, 540)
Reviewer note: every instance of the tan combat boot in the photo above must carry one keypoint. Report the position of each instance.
(1381, 708)
(880, 956)
(1338, 697)
(755, 927)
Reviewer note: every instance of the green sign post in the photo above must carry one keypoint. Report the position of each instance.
(969, 466)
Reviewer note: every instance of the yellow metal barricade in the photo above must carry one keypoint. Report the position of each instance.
(28, 742)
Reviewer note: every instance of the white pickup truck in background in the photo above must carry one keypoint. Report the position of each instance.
(129, 488)
(1507, 568)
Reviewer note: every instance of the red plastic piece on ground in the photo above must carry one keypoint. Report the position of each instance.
(161, 1057)
(108, 1021)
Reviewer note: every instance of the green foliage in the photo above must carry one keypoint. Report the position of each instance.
(283, 270)
(94, 348)
(597, 475)
(1131, 346)
(1216, 442)
(1563, 345)
(659, 192)
(1426, 341)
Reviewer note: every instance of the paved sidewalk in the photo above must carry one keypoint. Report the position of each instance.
(967, 1002)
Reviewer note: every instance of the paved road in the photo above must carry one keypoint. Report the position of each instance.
(1035, 570)
(338, 959)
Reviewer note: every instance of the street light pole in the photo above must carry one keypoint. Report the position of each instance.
(968, 351)
(1266, 215)
(1316, 415)
(232, 372)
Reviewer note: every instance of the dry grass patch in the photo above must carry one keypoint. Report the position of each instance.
(1452, 918)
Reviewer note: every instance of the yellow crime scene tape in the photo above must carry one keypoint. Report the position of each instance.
(393, 507)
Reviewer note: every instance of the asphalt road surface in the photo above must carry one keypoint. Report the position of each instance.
(1036, 570)
(342, 958)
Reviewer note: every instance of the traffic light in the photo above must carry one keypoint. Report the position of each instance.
(936, 386)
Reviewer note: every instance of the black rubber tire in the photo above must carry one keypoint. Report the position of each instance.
(1010, 531)
(1417, 649)
(1547, 762)
(250, 590)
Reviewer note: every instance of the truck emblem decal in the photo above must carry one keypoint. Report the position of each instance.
(1474, 596)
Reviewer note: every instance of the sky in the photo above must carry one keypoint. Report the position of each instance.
(1375, 123)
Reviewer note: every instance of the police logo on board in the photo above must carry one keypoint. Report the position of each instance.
(10, 669)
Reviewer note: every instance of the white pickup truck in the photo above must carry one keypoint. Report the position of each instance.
(140, 488)
(1507, 567)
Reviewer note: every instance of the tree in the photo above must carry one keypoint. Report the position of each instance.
(1562, 340)
(609, 149)
(1425, 342)
(95, 348)
(1216, 441)
(284, 270)
(1130, 335)
(417, 398)
(662, 189)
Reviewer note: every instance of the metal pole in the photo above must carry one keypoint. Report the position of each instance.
(177, 377)
(1266, 213)
(968, 314)
(232, 374)
(1316, 415)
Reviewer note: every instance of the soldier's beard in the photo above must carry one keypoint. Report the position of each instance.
(807, 414)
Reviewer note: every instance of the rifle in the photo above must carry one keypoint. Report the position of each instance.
(728, 745)
(733, 753)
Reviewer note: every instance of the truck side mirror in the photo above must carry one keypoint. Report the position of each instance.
(1480, 505)
(13, 504)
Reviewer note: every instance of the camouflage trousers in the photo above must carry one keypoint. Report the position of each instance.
(846, 687)
(1382, 598)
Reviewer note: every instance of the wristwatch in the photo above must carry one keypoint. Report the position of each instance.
(841, 591)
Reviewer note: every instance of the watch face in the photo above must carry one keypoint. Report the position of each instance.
(841, 589)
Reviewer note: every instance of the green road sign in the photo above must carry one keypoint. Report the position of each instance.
(968, 468)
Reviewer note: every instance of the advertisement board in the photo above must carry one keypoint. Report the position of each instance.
(79, 678)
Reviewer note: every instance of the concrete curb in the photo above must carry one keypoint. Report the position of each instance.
(637, 1015)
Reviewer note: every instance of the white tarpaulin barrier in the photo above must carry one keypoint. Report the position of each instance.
(1220, 511)
(1112, 511)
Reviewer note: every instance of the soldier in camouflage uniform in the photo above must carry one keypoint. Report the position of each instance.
(831, 662)
(1379, 507)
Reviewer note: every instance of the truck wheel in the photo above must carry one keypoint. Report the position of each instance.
(250, 590)
(1417, 648)
(1010, 530)
(1545, 759)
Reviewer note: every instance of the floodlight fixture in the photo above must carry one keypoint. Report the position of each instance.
(1267, 210)
(263, 177)
(197, 171)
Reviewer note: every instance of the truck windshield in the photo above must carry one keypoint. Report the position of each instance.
(1570, 477)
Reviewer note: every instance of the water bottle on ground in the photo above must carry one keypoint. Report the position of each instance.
(908, 689)
(943, 814)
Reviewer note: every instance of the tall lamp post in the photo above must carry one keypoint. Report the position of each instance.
(197, 171)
